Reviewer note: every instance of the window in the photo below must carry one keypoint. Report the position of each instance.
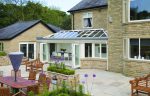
(1, 46)
(140, 49)
(28, 49)
(87, 20)
(97, 50)
(103, 51)
(139, 9)
(88, 50)
(134, 48)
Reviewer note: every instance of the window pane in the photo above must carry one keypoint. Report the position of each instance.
(134, 48)
(31, 51)
(23, 48)
(97, 50)
(139, 9)
(145, 49)
(88, 50)
(87, 22)
(103, 51)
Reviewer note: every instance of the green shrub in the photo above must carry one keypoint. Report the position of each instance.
(3, 54)
(60, 68)
(63, 94)
(31, 93)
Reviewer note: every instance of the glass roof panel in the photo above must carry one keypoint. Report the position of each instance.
(104, 35)
(79, 34)
(82, 33)
(98, 34)
(93, 33)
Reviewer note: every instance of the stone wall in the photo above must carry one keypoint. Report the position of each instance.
(118, 30)
(136, 68)
(115, 32)
(99, 18)
(4, 60)
(93, 63)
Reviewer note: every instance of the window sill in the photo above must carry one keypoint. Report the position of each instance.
(87, 27)
(136, 60)
(90, 58)
(137, 22)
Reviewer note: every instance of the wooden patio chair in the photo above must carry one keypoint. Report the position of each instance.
(24, 60)
(28, 64)
(6, 92)
(34, 89)
(38, 64)
(18, 73)
(44, 82)
(32, 75)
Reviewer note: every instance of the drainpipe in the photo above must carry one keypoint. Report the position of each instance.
(107, 57)
(72, 21)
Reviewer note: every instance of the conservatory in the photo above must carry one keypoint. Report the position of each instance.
(76, 46)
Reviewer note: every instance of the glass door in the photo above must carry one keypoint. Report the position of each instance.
(76, 56)
(43, 52)
(29, 50)
(23, 48)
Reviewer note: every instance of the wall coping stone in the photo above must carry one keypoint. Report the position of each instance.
(89, 59)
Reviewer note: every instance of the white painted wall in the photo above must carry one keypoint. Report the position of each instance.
(68, 47)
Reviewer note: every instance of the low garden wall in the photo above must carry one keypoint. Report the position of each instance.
(93, 63)
(4, 60)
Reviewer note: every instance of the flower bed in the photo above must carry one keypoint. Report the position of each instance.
(60, 68)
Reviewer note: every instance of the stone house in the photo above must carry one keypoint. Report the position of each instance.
(21, 36)
(126, 25)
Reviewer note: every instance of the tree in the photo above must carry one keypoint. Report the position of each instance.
(12, 11)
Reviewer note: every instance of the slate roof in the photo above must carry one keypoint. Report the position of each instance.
(55, 28)
(88, 4)
(11, 31)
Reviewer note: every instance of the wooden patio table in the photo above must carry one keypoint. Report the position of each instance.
(16, 86)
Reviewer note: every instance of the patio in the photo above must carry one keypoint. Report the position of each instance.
(105, 83)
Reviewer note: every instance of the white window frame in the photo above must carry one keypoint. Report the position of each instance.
(93, 51)
(129, 15)
(27, 43)
(86, 15)
(139, 57)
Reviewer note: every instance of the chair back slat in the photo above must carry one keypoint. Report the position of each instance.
(32, 75)
(4, 91)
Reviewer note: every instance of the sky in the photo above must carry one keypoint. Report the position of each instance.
(142, 4)
(63, 5)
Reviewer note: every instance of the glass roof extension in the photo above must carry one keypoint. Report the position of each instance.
(79, 35)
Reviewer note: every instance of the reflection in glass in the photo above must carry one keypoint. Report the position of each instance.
(139, 9)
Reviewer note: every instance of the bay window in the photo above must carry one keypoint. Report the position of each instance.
(139, 10)
(140, 49)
